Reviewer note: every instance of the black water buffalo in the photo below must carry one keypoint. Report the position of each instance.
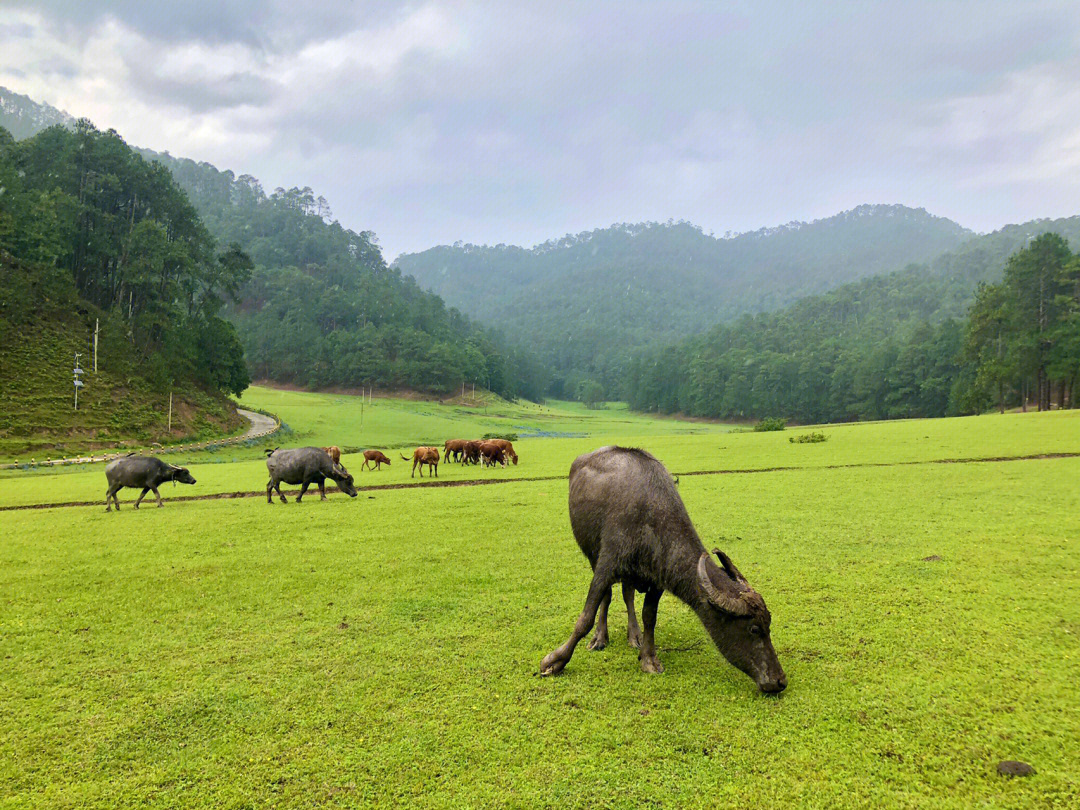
(305, 466)
(147, 472)
(632, 525)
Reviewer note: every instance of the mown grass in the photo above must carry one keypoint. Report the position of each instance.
(383, 651)
(714, 448)
(339, 419)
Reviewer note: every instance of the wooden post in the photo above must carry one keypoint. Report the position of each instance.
(169, 428)
(97, 327)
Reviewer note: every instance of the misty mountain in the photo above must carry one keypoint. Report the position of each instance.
(22, 116)
(588, 301)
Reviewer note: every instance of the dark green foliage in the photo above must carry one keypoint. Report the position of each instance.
(510, 437)
(894, 346)
(1023, 337)
(808, 438)
(770, 423)
(80, 202)
(590, 303)
(322, 309)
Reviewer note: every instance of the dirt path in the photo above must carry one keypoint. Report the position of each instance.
(218, 496)
(261, 425)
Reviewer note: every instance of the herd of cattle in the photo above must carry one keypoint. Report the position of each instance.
(305, 466)
(629, 522)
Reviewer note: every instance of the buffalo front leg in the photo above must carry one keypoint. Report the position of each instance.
(600, 637)
(633, 632)
(647, 656)
(555, 660)
(157, 495)
(141, 496)
(322, 490)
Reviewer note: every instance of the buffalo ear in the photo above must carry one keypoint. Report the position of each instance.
(729, 566)
(727, 602)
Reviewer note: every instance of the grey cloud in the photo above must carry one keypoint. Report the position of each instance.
(521, 121)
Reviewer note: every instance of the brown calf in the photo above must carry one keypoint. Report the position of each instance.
(455, 448)
(492, 454)
(334, 453)
(422, 456)
(375, 457)
(470, 454)
(508, 448)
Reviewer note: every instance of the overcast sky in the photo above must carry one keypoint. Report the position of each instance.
(434, 122)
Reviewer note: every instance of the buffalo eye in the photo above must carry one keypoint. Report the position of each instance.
(755, 630)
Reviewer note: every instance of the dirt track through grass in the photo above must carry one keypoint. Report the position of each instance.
(217, 496)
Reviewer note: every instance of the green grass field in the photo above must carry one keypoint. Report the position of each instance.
(383, 651)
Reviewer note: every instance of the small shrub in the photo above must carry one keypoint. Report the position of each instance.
(510, 437)
(808, 438)
(770, 423)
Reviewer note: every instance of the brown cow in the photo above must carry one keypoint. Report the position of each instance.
(492, 454)
(455, 448)
(376, 457)
(508, 448)
(334, 453)
(471, 453)
(422, 456)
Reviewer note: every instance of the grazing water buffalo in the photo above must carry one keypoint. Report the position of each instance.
(141, 471)
(631, 523)
(305, 466)
(424, 455)
(375, 457)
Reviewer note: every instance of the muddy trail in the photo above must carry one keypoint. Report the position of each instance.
(219, 496)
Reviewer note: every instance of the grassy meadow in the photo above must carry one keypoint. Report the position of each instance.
(383, 651)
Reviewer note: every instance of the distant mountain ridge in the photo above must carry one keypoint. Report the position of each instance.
(22, 116)
(588, 301)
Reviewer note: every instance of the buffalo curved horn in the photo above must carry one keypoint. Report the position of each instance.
(729, 566)
(726, 602)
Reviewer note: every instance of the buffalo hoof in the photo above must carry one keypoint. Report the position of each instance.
(551, 665)
(598, 643)
(633, 638)
(136, 506)
(283, 499)
(652, 665)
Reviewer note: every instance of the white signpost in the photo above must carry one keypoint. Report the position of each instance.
(78, 372)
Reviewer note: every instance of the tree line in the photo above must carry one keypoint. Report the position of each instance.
(321, 308)
(589, 302)
(85, 210)
(907, 344)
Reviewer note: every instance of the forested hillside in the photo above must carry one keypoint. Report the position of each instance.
(590, 302)
(89, 231)
(898, 345)
(321, 308)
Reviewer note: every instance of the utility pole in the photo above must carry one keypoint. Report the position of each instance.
(361, 410)
(78, 383)
(97, 328)
(169, 428)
